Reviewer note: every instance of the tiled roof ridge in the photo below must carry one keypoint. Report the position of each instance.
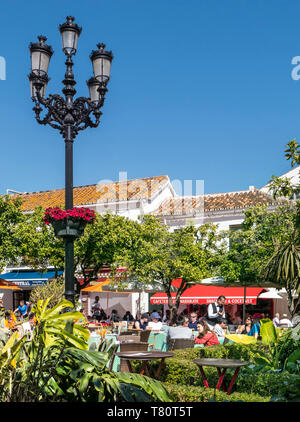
(215, 202)
(255, 191)
(110, 192)
(93, 184)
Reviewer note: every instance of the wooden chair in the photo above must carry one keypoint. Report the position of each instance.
(131, 347)
(133, 338)
(144, 334)
(127, 344)
(181, 343)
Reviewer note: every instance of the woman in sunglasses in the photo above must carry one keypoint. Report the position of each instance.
(245, 328)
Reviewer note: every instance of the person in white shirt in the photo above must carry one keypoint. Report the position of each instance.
(285, 321)
(216, 311)
(276, 320)
(182, 329)
(220, 328)
(155, 324)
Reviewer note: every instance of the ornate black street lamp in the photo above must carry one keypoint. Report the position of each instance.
(67, 114)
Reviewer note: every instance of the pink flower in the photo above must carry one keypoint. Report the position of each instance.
(75, 214)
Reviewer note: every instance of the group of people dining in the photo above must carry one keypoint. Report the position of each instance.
(207, 330)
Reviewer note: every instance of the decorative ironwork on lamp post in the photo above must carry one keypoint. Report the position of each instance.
(66, 114)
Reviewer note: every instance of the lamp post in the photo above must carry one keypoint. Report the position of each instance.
(66, 114)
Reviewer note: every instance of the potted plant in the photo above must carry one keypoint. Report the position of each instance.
(69, 222)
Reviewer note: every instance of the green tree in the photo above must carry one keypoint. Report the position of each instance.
(105, 243)
(282, 186)
(252, 246)
(38, 247)
(157, 256)
(284, 264)
(10, 217)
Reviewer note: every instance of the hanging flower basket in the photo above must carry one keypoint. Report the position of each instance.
(70, 222)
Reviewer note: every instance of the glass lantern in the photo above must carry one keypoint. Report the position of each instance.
(40, 56)
(101, 61)
(70, 32)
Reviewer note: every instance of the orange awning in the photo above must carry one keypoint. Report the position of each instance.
(4, 284)
(98, 288)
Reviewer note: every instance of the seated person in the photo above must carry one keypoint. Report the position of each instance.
(285, 321)
(128, 316)
(155, 323)
(276, 320)
(206, 336)
(255, 329)
(181, 330)
(142, 323)
(23, 308)
(245, 328)
(220, 329)
(193, 321)
(114, 316)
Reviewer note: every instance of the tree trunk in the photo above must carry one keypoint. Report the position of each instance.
(293, 302)
(174, 307)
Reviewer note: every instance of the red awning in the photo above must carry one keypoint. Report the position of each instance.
(208, 294)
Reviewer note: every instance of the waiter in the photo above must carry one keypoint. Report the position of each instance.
(216, 311)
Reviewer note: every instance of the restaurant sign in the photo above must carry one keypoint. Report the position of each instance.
(200, 301)
(29, 283)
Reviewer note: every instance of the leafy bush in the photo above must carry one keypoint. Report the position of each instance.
(185, 393)
(55, 365)
(229, 351)
(54, 289)
(292, 390)
(264, 383)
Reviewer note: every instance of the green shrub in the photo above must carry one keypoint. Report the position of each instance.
(265, 383)
(185, 393)
(54, 288)
(229, 351)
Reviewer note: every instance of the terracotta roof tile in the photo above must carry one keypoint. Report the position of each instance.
(213, 202)
(134, 189)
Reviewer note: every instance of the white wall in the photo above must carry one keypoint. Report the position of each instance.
(122, 302)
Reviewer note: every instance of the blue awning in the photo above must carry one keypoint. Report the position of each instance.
(29, 278)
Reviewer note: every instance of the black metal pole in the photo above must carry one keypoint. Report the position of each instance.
(244, 305)
(69, 240)
(68, 133)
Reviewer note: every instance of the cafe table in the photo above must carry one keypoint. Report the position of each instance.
(221, 365)
(145, 357)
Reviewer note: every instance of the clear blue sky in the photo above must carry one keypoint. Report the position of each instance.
(199, 90)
